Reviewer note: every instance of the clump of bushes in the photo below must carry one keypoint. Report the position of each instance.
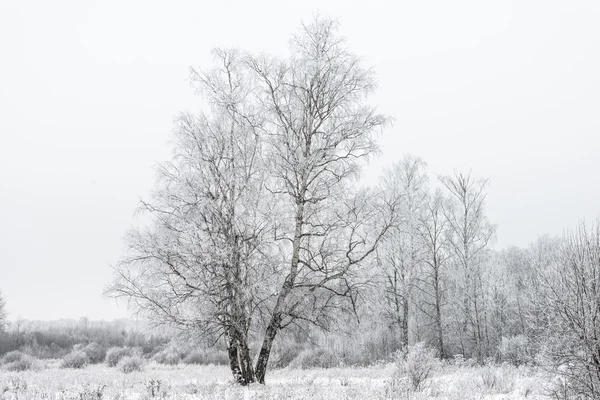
(115, 354)
(496, 379)
(206, 357)
(417, 363)
(130, 364)
(284, 355)
(95, 352)
(167, 357)
(315, 358)
(515, 350)
(19, 361)
(13, 356)
(75, 359)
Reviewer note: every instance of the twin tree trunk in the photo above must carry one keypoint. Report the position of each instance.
(240, 360)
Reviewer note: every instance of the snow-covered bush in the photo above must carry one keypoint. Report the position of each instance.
(167, 357)
(95, 352)
(130, 364)
(316, 358)
(75, 359)
(207, 357)
(115, 354)
(13, 356)
(418, 363)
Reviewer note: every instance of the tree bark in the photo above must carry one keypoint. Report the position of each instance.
(232, 352)
(438, 313)
(265, 351)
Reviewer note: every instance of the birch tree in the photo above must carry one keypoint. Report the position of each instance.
(3, 313)
(256, 223)
(318, 128)
(571, 290)
(401, 252)
(198, 265)
(471, 233)
(434, 235)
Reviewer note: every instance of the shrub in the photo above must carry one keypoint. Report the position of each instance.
(167, 357)
(130, 364)
(115, 354)
(25, 363)
(95, 352)
(496, 379)
(315, 358)
(13, 356)
(514, 350)
(75, 359)
(207, 357)
(418, 363)
(78, 347)
(284, 356)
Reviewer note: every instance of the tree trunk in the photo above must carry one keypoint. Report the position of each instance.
(239, 358)
(438, 319)
(405, 323)
(265, 351)
(247, 369)
(232, 352)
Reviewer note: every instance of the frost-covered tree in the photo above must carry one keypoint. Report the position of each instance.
(3, 313)
(200, 263)
(402, 251)
(471, 232)
(571, 294)
(255, 223)
(318, 129)
(434, 237)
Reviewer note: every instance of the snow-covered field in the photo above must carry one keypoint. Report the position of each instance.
(99, 382)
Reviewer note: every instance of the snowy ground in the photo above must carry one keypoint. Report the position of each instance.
(99, 382)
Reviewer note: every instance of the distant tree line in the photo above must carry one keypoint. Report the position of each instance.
(55, 339)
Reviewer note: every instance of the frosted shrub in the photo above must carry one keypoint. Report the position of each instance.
(13, 356)
(75, 359)
(418, 363)
(115, 354)
(95, 352)
(514, 350)
(284, 355)
(24, 363)
(315, 358)
(207, 357)
(167, 357)
(130, 364)
(496, 379)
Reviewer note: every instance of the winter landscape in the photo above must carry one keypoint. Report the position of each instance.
(374, 202)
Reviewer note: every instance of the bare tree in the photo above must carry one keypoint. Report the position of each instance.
(3, 313)
(572, 296)
(401, 252)
(199, 264)
(318, 130)
(256, 222)
(434, 235)
(471, 233)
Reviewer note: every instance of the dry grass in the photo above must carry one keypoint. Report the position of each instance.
(99, 382)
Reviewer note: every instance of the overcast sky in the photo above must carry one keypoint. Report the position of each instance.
(89, 89)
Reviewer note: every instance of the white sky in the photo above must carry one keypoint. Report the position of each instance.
(89, 89)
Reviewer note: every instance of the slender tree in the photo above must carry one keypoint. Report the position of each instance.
(471, 233)
(199, 263)
(3, 313)
(434, 235)
(318, 130)
(571, 292)
(401, 252)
